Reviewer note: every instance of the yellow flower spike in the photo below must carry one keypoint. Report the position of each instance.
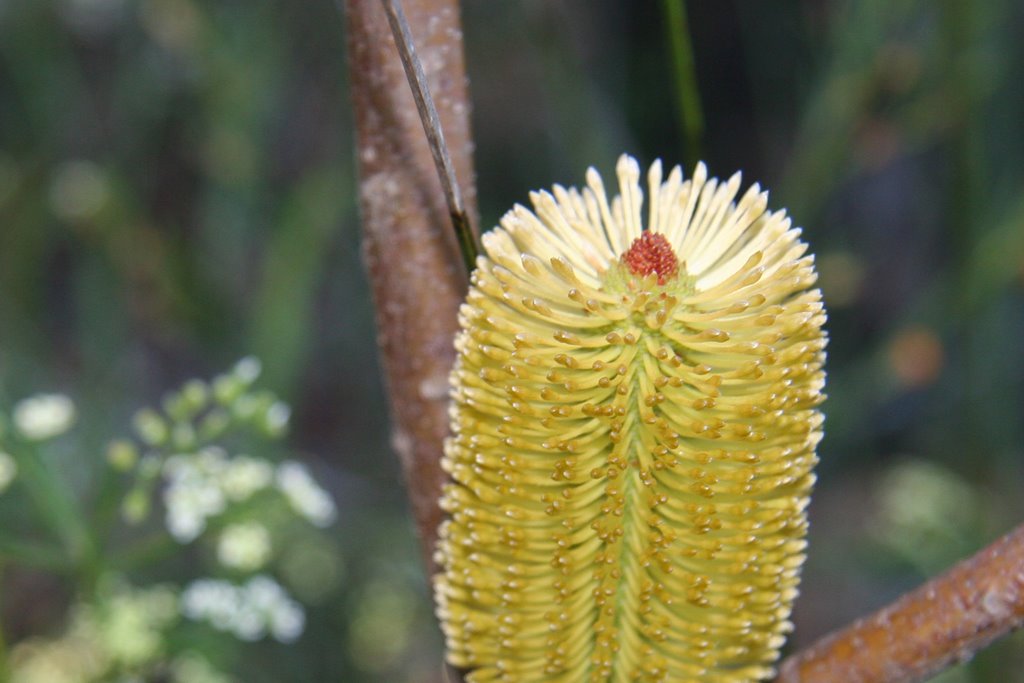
(633, 436)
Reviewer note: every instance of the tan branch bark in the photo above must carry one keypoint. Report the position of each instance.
(945, 621)
(412, 257)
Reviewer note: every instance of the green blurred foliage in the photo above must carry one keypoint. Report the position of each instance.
(177, 190)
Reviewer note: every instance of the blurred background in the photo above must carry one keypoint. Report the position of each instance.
(177, 191)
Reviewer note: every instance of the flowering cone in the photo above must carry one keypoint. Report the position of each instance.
(634, 424)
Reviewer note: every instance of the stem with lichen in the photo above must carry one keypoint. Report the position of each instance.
(943, 622)
(410, 252)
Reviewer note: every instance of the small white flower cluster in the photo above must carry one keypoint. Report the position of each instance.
(248, 369)
(245, 546)
(130, 624)
(304, 494)
(277, 417)
(194, 491)
(124, 630)
(201, 485)
(243, 476)
(44, 416)
(250, 611)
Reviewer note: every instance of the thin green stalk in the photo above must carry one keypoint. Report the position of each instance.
(684, 70)
(54, 500)
(160, 546)
(958, 28)
(51, 558)
(149, 550)
(464, 233)
(107, 508)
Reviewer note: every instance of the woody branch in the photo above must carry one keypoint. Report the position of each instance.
(945, 621)
(411, 254)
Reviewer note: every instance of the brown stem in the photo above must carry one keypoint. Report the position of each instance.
(945, 621)
(410, 251)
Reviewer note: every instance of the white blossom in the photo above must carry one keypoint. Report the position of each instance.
(201, 485)
(131, 624)
(277, 417)
(244, 546)
(307, 497)
(245, 476)
(193, 493)
(44, 416)
(248, 369)
(250, 611)
(287, 622)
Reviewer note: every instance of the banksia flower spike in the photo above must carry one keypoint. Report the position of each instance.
(634, 428)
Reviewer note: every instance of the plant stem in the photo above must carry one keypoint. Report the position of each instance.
(684, 70)
(945, 621)
(55, 501)
(417, 285)
(51, 558)
(464, 233)
(417, 281)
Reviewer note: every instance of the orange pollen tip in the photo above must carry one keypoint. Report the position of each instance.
(651, 253)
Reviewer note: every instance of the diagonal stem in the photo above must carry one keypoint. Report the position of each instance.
(435, 133)
(945, 621)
